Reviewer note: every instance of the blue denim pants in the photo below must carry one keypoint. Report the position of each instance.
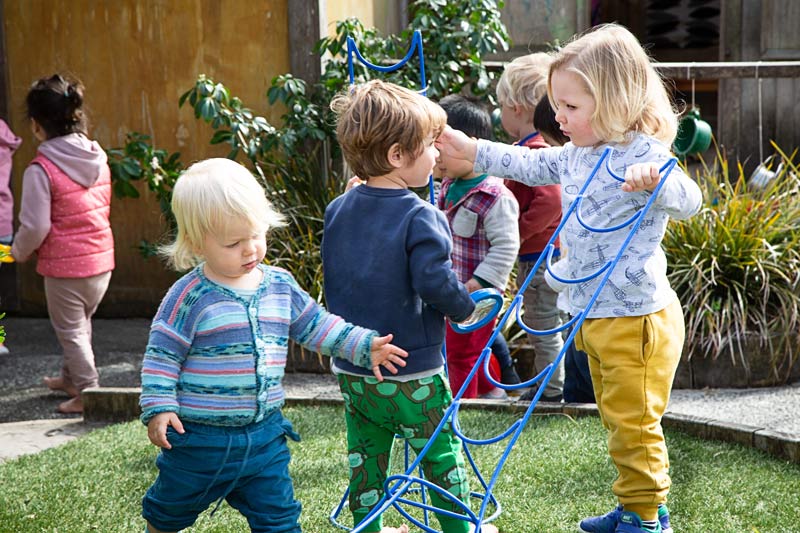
(246, 466)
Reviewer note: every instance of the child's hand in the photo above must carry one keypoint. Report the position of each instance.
(5, 254)
(456, 145)
(355, 181)
(640, 177)
(473, 285)
(387, 355)
(157, 428)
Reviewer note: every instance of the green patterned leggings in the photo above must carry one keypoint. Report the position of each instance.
(377, 411)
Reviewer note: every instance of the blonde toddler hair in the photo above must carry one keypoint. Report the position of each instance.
(524, 81)
(374, 116)
(628, 92)
(205, 198)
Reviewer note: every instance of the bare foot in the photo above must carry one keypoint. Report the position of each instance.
(58, 384)
(72, 406)
(402, 529)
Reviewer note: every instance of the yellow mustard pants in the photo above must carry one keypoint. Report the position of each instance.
(633, 362)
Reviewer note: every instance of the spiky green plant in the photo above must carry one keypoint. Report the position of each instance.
(736, 266)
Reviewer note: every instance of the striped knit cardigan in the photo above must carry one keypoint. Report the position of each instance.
(216, 358)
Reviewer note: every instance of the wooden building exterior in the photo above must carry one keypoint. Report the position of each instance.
(136, 57)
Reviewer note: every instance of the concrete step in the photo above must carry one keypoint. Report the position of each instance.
(111, 404)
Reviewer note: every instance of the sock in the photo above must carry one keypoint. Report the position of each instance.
(650, 524)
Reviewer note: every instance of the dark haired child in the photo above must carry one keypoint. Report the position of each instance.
(64, 220)
(482, 214)
(544, 121)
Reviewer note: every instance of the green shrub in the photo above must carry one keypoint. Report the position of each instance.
(736, 265)
(138, 160)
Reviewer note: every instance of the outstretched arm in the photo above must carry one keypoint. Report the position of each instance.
(456, 145)
(386, 355)
(317, 329)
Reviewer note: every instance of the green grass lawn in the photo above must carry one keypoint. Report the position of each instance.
(558, 473)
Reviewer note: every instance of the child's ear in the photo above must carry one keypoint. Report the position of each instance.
(395, 156)
(196, 248)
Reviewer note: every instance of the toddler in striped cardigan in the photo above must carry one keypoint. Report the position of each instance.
(211, 377)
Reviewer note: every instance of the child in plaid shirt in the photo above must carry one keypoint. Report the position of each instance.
(482, 214)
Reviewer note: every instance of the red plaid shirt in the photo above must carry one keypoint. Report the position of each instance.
(470, 248)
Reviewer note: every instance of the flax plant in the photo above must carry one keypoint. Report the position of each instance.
(736, 267)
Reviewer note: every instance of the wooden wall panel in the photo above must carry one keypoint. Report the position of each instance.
(535, 24)
(336, 10)
(758, 30)
(136, 57)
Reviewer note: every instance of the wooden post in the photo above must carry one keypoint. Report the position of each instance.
(304, 32)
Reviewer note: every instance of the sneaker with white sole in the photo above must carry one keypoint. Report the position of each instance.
(495, 394)
(607, 523)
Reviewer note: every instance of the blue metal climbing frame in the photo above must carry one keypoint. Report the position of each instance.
(398, 485)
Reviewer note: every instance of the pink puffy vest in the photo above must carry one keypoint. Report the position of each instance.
(80, 243)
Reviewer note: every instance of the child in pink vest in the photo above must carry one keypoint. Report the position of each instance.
(64, 219)
(8, 145)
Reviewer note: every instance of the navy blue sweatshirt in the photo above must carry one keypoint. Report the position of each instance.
(386, 261)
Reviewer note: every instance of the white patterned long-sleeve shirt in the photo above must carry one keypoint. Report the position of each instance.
(638, 284)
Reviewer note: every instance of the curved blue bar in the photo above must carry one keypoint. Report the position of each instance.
(490, 440)
(577, 280)
(400, 484)
(479, 296)
(541, 332)
(627, 223)
(416, 45)
(670, 163)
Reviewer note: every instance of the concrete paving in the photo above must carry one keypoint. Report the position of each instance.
(29, 422)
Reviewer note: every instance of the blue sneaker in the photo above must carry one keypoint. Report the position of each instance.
(629, 522)
(607, 523)
(663, 518)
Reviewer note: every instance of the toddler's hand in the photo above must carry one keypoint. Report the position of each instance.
(157, 428)
(473, 285)
(355, 181)
(640, 177)
(456, 145)
(386, 355)
(5, 254)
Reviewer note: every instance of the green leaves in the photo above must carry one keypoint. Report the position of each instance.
(137, 161)
(736, 265)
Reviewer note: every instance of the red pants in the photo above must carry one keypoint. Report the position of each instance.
(463, 350)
